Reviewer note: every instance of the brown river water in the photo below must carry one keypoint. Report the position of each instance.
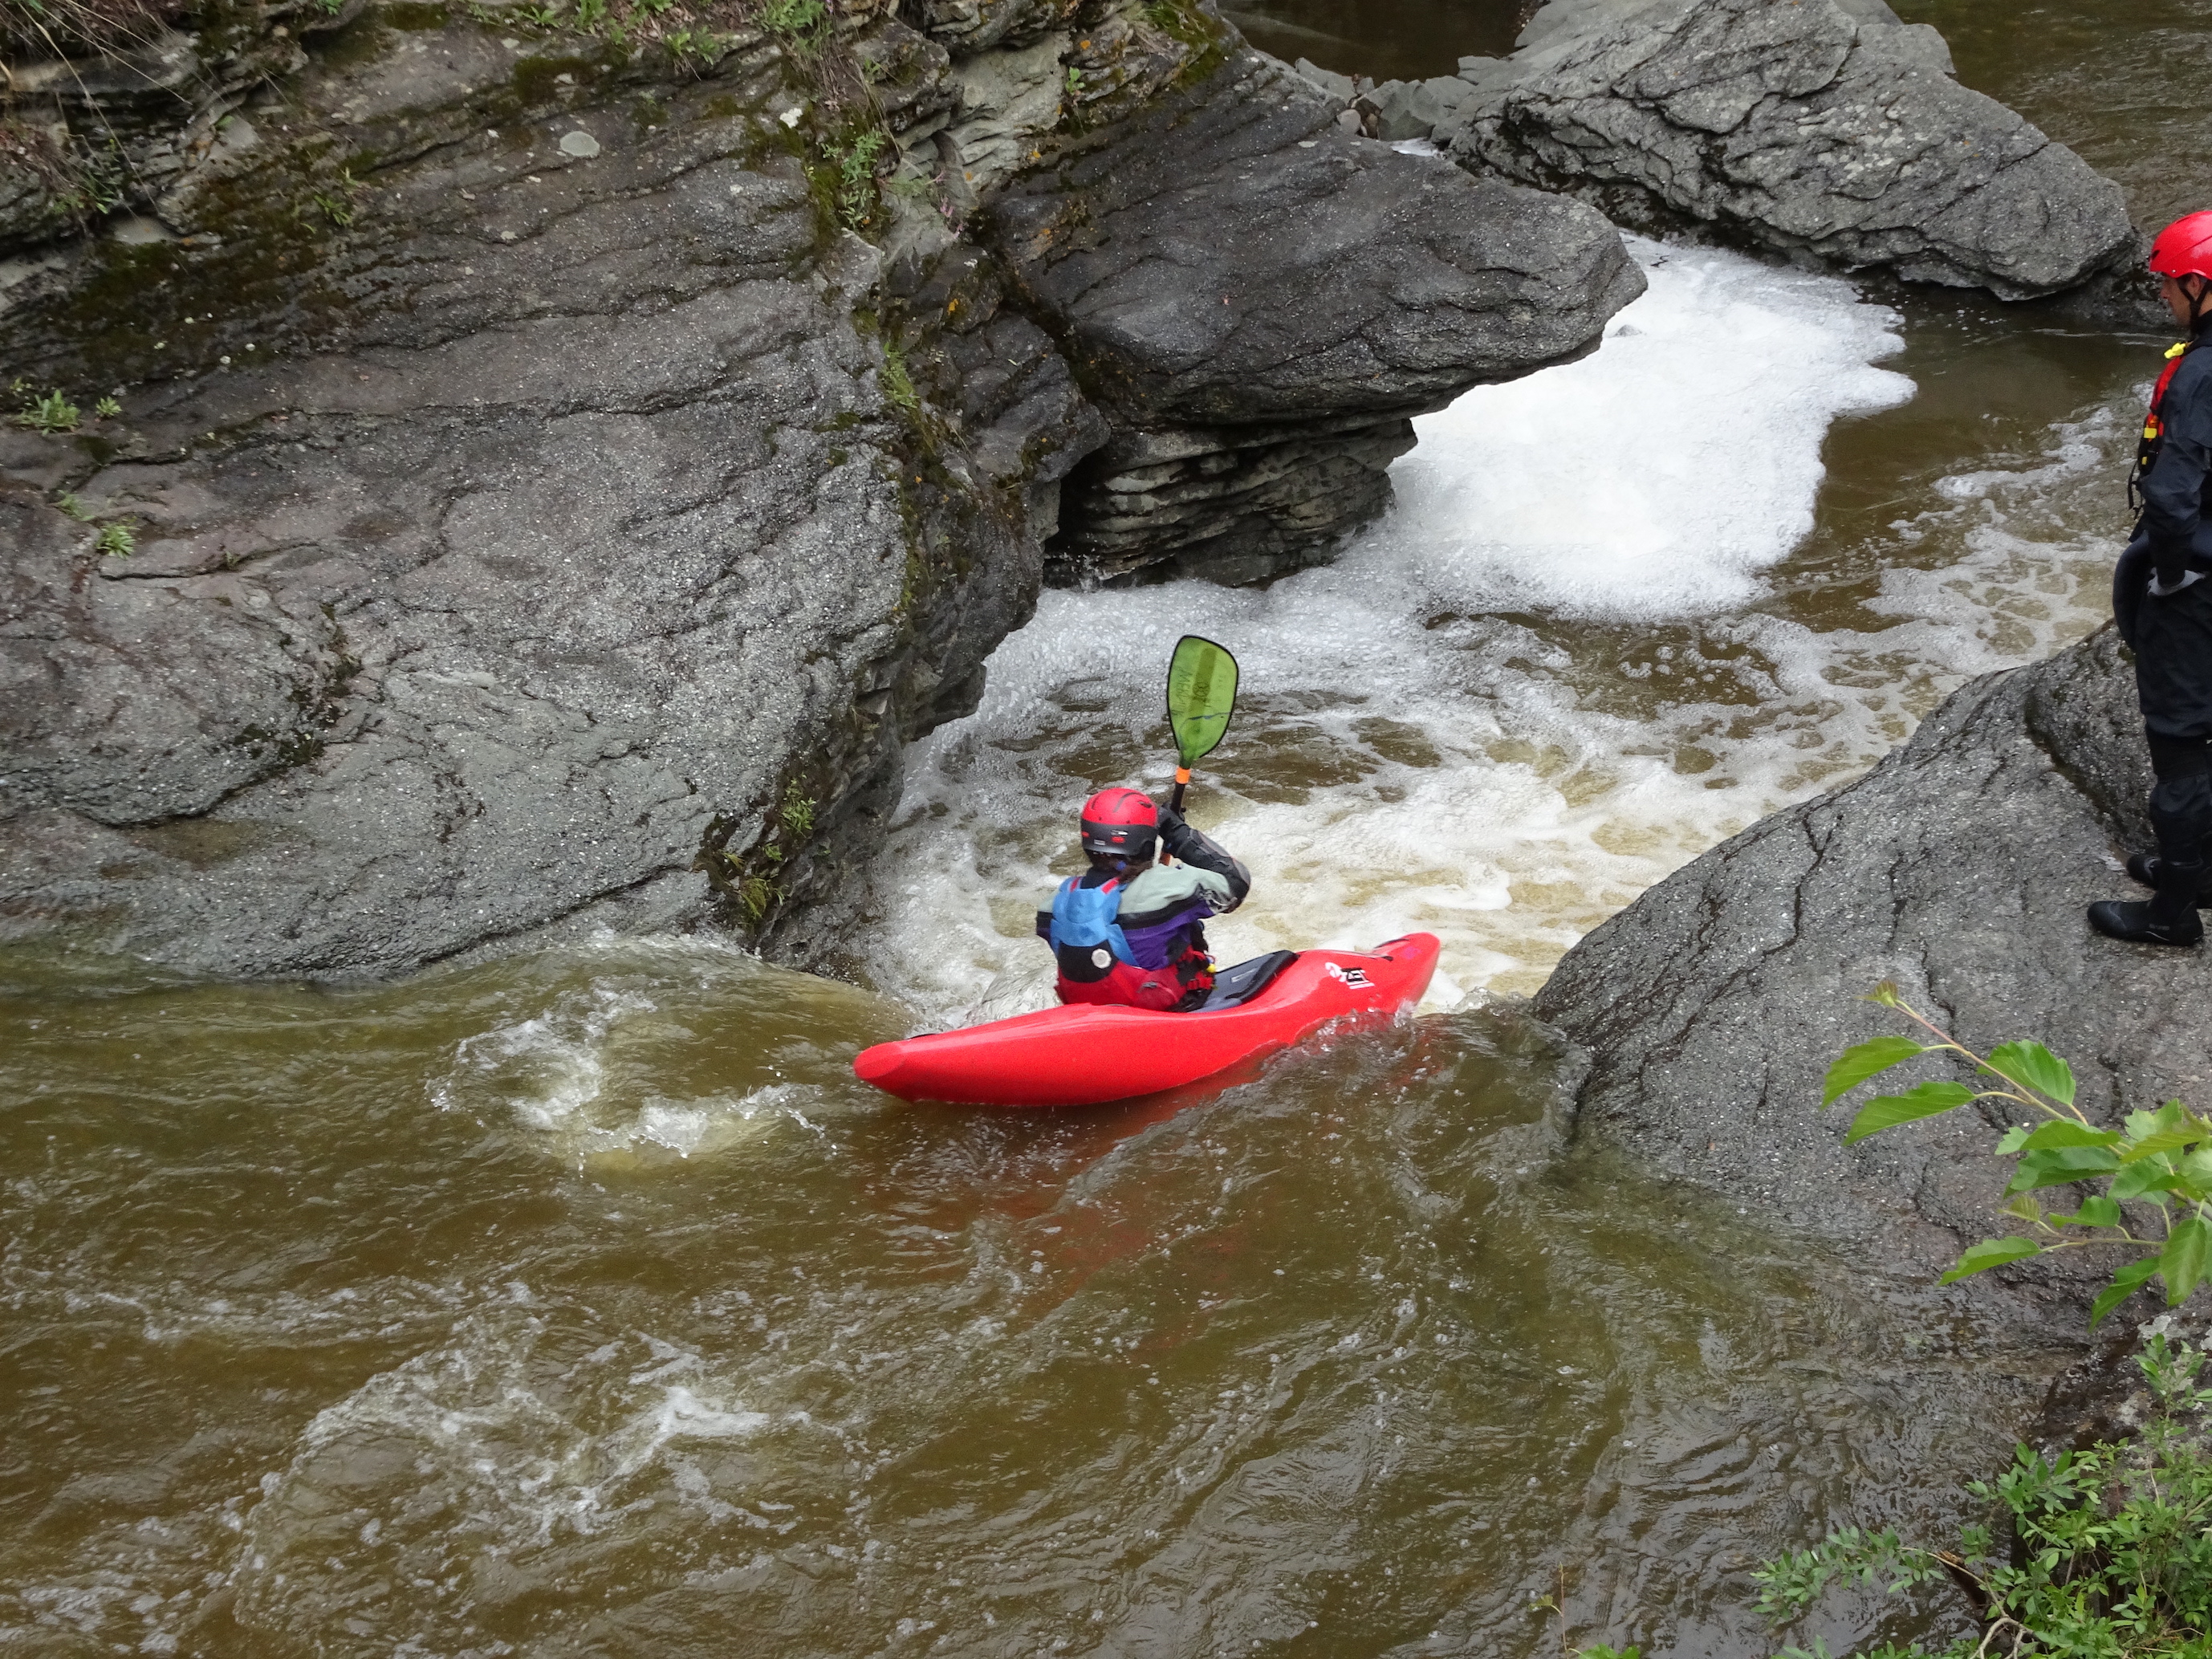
(581, 1303)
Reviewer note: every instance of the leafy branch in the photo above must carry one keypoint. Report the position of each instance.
(2109, 1556)
(2161, 1161)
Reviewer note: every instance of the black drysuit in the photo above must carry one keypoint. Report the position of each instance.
(2169, 626)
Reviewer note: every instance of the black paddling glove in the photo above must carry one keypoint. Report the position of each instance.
(1191, 848)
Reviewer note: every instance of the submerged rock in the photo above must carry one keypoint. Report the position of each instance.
(1825, 129)
(1959, 867)
(1260, 303)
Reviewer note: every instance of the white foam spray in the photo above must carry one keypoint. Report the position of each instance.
(1418, 744)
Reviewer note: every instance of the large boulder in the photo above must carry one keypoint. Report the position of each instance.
(1825, 129)
(1260, 301)
(532, 530)
(1959, 867)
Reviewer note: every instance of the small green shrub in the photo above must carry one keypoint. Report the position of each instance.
(116, 542)
(756, 896)
(2109, 1554)
(684, 45)
(898, 384)
(70, 504)
(335, 204)
(49, 412)
(795, 23)
(798, 813)
(107, 408)
(855, 163)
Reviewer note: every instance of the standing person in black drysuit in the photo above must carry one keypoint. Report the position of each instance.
(2163, 603)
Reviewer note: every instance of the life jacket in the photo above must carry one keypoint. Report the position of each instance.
(1151, 961)
(2153, 432)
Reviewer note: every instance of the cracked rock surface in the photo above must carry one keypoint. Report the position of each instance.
(1260, 302)
(1825, 129)
(1959, 868)
(494, 555)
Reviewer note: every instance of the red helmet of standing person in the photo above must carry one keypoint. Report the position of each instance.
(1120, 823)
(2184, 248)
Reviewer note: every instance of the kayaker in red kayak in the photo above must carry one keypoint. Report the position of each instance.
(1129, 931)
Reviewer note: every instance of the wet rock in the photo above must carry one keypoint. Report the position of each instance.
(31, 208)
(974, 25)
(523, 537)
(1011, 101)
(1396, 111)
(149, 119)
(1825, 129)
(1959, 867)
(1260, 303)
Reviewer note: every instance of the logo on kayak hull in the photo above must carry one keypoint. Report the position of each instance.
(1353, 977)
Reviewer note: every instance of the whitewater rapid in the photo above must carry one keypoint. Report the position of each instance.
(1567, 660)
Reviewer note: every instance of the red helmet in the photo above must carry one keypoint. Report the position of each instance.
(2184, 248)
(1120, 823)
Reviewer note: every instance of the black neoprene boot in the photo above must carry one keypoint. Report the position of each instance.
(2143, 866)
(2169, 917)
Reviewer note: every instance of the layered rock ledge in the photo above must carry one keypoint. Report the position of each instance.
(1959, 867)
(1260, 303)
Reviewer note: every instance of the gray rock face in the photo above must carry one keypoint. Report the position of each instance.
(549, 516)
(147, 122)
(557, 524)
(1829, 132)
(1959, 868)
(1256, 297)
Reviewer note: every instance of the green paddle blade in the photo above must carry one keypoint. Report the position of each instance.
(1201, 697)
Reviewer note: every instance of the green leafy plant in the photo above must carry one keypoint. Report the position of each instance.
(684, 45)
(795, 23)
(107, 408)
(2161, 1162)
(75, 507)
(797, 813)
(336, 203)
(756, 896)
(898, 384)
(2109, 1554)
(855, 163)
(115, 541)
(48, 412)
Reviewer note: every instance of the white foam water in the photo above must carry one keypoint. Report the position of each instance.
(1555, 671)
(1656, 477)
(591, 1051)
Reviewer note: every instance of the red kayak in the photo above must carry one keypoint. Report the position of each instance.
(1085, 1056)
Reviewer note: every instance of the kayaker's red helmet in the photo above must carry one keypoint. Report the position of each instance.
(2184, 248)
(1120, 823)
